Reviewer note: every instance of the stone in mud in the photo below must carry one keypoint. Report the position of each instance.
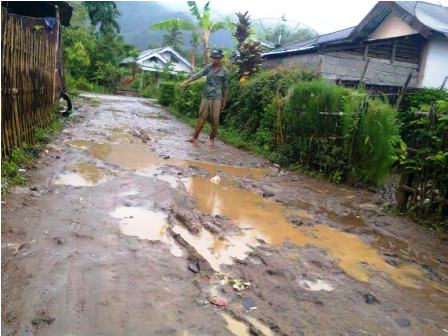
(186, 220)
(369, 298)
(248, 303)
(58, 240)
(166, 157)
(395, 262)
(275, 272)
(268, 193)
(42, 318)
(194, 267)
(429, 271)
(403, 322)
(297, 221)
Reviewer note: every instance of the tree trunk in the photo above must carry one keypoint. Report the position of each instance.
(193, 59)
(205, 36)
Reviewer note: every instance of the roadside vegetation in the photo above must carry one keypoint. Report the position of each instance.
(19, 161)
(93, 48)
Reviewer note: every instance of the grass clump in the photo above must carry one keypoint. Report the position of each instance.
(14, 166)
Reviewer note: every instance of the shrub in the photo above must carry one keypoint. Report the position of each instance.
(375, 143)
(166, 93)
(187, 102)
(246, 107)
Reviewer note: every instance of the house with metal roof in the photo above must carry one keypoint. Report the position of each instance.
(156, 60)
(397, 43)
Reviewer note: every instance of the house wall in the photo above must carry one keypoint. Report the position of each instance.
(340, 65)
(344, 66)
(392, 26)
(436, 63)
(307, 61)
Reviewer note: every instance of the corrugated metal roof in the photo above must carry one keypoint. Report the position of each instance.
(335, 37)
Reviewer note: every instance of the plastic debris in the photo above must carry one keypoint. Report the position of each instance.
(215, 179)
(236, 283)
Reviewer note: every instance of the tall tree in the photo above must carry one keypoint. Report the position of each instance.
(103, 14)
(203, 28)
(249, 52)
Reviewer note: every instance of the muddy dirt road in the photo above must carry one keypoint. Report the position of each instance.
(121, 232)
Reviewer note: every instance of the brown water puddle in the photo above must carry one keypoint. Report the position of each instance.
(81, 144)
(120, 135)
(217, 251)
(299, 213)
(352, 220)
(261, 218)
(83, 175)
(145, 224)
(217, 169)
(234, 326)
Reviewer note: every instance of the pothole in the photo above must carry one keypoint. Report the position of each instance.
(217, 251)
(260, 218)
(83, 175)
(146, 224)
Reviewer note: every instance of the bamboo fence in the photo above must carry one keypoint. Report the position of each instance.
(29, 81)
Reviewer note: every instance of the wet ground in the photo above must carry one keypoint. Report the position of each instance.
(126, 229)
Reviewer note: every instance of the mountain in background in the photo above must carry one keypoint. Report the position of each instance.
(137, 16)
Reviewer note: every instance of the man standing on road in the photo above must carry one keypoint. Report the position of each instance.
(214, 94)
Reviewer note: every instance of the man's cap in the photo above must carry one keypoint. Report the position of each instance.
(217, 53)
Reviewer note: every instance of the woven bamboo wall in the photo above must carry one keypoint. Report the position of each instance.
(28, 78)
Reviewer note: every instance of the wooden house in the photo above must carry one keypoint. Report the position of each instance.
(395, 43)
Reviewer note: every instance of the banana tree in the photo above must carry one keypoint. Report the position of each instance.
(203, 28)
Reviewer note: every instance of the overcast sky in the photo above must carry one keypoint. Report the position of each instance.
(323, 16)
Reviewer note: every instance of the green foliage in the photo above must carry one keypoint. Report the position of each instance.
(187, 102)
(376, 142)
(249, 58)
(427, 162)
(202, 30)
(103, 14)
(20, 158)
(91, 55)
(249, 99)
(166, 93)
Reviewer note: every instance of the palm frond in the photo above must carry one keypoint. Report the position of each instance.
(194, 10)
(173, 23)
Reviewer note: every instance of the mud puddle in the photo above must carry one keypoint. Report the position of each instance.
(263, 219)
(83, 175)
(146, 224)
(124, 155)
(236, 171)
(218, 251)
(234, 326)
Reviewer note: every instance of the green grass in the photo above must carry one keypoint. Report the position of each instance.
(21, 158)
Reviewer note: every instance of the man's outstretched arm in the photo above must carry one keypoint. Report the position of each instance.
(197, 75)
